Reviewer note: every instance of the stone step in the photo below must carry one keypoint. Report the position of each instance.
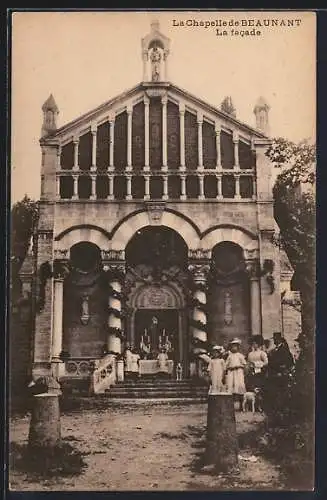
(155, 395)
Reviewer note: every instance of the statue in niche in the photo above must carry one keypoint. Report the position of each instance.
(85, 316)
(228, 316)
(155, 62)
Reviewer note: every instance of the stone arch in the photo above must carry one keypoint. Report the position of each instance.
(137, 221)
(70, 237)
(245, 239)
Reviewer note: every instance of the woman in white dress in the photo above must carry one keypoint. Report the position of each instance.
(235, 364)
(216, 369)
(258, 361)
(128, 360)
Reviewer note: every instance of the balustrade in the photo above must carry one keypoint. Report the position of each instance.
(231, 185)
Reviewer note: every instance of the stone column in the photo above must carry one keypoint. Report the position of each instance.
(58, 186)
(129, 138)
(128, 187)
(183, 187)
(237, 187)
(76, 143)
(93, 188)
(94, 147)
(111, 187)
(218, 147)
(253, 270)
(60, 272)
(236, 155)
(199, 272)
(111, 143)
(219, 187)
(164, 133)
(115, 274)
(166, 74)
(146, 187)
(146, 134)
(201, 187)
(200, 142)
(145, 65)
(75, 187)
(182, 135)
(165, 188)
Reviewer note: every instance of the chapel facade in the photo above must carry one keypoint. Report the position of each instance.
(156, 225)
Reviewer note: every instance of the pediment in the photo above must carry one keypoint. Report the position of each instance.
(129, 98)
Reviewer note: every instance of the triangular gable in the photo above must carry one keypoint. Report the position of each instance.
(134, 94)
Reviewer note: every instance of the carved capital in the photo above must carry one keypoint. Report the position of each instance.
(113, 255)
(114, 269)
(199, 253)
(252, 268)
(199, 272)
(61, 254)
(60, 269)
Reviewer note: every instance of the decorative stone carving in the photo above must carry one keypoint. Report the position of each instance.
(114, 268)
(155, 297)
(60, 270)
(252, 268)
(155, 211)
(61, 254)
(113, 255)
(199, 272)
(85, 316)
(156, 92)
(199, 253)
(156, 58)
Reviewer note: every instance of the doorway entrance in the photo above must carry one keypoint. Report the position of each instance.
(160, 326)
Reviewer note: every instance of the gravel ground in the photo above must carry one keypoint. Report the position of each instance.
(144, 445)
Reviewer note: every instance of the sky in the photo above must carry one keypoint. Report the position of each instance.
(86, 58)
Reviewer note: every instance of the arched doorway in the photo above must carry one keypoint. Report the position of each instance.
(156, 260)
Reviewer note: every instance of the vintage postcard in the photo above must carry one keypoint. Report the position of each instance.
(162, 250)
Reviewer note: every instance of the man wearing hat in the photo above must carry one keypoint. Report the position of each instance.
(235, 364)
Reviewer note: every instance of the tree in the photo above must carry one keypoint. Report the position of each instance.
(294, 211)
(24, 215)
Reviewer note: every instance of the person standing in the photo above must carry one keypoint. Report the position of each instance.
(128, 355)
(258, 362)
(163, 361)
(235, 365)
(280, 363)
(216, 369)
(135, 363)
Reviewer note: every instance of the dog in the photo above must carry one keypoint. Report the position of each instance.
(252, 399)
(179, 371)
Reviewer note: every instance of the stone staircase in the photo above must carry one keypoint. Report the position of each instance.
(156, 388)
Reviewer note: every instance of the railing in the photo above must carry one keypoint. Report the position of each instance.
(207, 184)
(105, 374)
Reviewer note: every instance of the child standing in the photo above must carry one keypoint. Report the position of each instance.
(235, 364)
(216, 369)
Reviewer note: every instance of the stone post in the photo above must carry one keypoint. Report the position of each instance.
(222, 446)
(111, 142)
(129, 138)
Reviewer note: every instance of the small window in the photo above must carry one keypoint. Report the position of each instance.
(228, 186)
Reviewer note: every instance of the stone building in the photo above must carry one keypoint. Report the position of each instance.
(156, 222)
